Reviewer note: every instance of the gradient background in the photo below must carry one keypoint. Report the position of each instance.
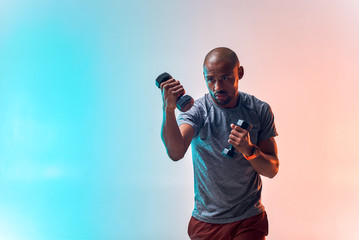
(80, 149)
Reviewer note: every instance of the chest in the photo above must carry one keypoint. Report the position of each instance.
(216, 126)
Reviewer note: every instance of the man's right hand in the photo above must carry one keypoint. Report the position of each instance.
(171, 90)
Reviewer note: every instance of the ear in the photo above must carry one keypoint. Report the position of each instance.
(240, 72)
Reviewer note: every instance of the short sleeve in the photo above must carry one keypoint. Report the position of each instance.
(267, 129)
(191, 117)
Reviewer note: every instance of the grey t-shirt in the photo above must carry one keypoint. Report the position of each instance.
(226, 190)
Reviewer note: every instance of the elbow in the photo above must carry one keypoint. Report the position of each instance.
(175, 159)
(177, 153)
(275, 170)
(272, 174)
(175, 156)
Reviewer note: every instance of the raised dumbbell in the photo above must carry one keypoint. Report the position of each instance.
(229, 152)
(184, 102)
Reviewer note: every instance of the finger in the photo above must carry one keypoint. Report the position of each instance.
(171, 85)
(175, 88)
(239, 129)
(235, 139)
(178, 92)
(167, 82)
(236, 133)
(233, 143)
(178, 89)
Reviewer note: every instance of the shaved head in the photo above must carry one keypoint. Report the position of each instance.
(222, 54)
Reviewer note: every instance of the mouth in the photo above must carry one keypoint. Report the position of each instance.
(220, 95)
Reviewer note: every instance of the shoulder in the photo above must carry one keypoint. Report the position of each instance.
(197, 110)
(202, 104)
(251, 102)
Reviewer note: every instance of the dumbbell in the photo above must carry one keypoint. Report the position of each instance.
(184, 102)
(229, 152)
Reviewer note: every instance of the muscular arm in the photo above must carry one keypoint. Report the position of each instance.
(175, 138)
(267, 163)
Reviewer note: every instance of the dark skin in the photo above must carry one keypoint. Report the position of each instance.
(222, 73)
(222, 82)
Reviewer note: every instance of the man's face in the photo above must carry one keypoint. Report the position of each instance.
(222, 82)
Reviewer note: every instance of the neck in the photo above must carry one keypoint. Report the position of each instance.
(234, 102)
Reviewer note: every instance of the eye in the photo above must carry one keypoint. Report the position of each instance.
(209, 79)
(225, 78)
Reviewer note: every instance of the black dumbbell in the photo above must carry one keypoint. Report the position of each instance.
(184, 102)
(229, 152)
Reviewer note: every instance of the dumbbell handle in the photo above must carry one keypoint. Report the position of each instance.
(231, 148)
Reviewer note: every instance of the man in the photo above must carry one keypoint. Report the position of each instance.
(227, 190)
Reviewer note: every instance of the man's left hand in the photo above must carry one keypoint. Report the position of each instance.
(240, 140)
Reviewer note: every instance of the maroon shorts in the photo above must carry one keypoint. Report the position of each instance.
(253, 228)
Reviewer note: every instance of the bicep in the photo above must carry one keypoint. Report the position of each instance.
(187, 132)
(268, 146)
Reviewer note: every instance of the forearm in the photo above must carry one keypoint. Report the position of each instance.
(265, 164)
(171, 136)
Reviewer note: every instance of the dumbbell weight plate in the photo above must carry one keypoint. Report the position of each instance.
(162, 78)
(185, 103)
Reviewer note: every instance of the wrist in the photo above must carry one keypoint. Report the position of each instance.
(250, 151)
(254, 153)
(168, 110)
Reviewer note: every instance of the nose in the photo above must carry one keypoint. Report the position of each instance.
(218, 85)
